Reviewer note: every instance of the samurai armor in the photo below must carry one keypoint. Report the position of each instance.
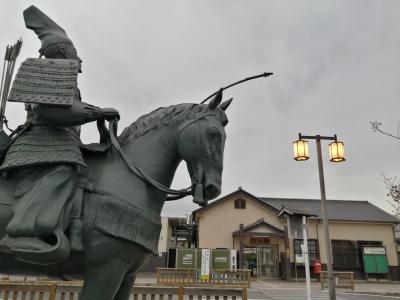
(41, 144)
(46, 81)
(5, 142)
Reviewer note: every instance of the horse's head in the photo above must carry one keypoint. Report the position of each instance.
(201, 142)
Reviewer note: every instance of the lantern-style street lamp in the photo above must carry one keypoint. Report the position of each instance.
(336, 151)
(300, 148)
(336, 154)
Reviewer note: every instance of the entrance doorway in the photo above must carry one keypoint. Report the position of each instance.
(267, 262)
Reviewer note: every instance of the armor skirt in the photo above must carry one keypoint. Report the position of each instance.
(42, 144)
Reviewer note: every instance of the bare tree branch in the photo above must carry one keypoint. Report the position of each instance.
(376, 127)
(392, 185)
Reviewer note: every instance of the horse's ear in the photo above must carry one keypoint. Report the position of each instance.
(216, 100)
(224, 105)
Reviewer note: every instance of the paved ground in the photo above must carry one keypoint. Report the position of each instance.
(298, 288)
(300, 294)
(280, 290)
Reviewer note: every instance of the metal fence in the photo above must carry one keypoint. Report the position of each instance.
(342, 279)
(70, 291)
(219, 278)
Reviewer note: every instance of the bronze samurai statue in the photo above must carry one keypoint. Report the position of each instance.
(46, 158)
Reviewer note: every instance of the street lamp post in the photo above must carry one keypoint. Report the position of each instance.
(336, 153)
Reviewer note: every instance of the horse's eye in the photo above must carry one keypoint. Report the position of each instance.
(214, 133)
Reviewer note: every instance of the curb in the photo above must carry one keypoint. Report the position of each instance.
(395, 294)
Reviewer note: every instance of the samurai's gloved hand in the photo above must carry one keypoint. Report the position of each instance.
(110, 113)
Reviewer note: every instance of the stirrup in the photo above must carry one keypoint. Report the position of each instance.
(35, 251)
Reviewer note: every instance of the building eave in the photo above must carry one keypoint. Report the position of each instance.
(228, 196)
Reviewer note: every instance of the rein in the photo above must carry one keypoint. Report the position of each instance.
(196, 189)
(178, 194)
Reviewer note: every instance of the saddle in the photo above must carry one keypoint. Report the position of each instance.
(103, 145)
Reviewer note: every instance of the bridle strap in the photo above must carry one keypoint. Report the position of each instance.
(142, 174)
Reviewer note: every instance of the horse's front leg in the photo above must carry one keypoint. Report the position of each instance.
(103, 281)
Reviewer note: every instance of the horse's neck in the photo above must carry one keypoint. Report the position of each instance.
(156, 154)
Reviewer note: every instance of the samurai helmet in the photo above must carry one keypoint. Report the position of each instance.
(48, 31)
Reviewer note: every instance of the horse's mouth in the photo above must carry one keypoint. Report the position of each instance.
(202, 195)
(204, 189)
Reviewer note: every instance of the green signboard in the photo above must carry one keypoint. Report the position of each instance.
(191, 259)
(220, 259)
(375, 260)
(186, 259)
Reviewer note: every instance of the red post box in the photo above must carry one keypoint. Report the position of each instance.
(316, 266)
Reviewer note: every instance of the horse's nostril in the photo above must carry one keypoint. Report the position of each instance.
(212, 191)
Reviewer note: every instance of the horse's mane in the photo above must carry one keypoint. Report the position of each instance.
(165, 116)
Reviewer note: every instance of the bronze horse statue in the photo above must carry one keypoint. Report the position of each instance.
(121, 212)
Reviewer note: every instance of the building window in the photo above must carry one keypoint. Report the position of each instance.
(347, 255)
(240, 203)
(313, 250)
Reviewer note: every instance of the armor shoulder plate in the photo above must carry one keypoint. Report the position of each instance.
(45, 81)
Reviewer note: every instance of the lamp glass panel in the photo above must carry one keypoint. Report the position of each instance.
(300, 149)
(336, 152)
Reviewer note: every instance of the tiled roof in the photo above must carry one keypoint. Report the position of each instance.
(295, 211)
(341, 210)
(228, 196)
(258, 223)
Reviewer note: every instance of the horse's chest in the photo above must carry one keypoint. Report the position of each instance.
(123, 220)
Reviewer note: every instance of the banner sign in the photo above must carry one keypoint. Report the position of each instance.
(233, 259)
(205, 264)
(257, 240)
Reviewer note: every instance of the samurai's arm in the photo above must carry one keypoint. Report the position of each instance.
(78, 113)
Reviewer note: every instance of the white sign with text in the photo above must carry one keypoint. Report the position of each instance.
(233, 259)
(205, 264)
(375, 250)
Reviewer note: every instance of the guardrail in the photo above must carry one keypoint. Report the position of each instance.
(65, 290)
(219, 278)
(28, 291)
(342, 279)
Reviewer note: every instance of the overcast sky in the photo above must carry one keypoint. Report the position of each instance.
(336, 67)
